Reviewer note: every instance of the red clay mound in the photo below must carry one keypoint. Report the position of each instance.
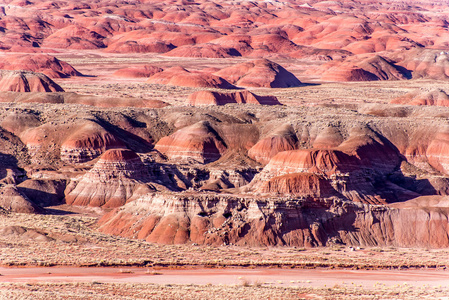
(25, 81)
(434, 98)
(266, 44)
(12, 200)
(113, 181)
(43, 63)
(198, 141)
(143, 45)
(181, 77)
(283, 139)
(88, 142)
(369, 69)
(216, 98)
(137, 41)
(239, 42)
(137, 72)
(383, 69)
(202, 50)
(74, 37)
(259, 73)
(347, 72)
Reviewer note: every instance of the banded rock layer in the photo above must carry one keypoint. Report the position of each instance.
(217, 220)
(116, 178)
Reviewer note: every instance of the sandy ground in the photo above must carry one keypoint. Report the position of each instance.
(368, 279)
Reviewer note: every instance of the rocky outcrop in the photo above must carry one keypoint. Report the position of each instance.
(246, 221)
(217, 98)
(26, 81)
(118, 177)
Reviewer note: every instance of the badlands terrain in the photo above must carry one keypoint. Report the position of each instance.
(145, 139)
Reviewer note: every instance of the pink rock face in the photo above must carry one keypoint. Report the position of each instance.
(114, 180)
(138, 71)
(198, 141)
(25, 81)
(49, 65)
(283, 139)
(88, 142)
(259, 73)
(181, 77)
(433, 98)
(216, 98)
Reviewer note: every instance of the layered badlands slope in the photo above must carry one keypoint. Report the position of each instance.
(229, 172)
(246, 221)
(115, 179)
(275, 168)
